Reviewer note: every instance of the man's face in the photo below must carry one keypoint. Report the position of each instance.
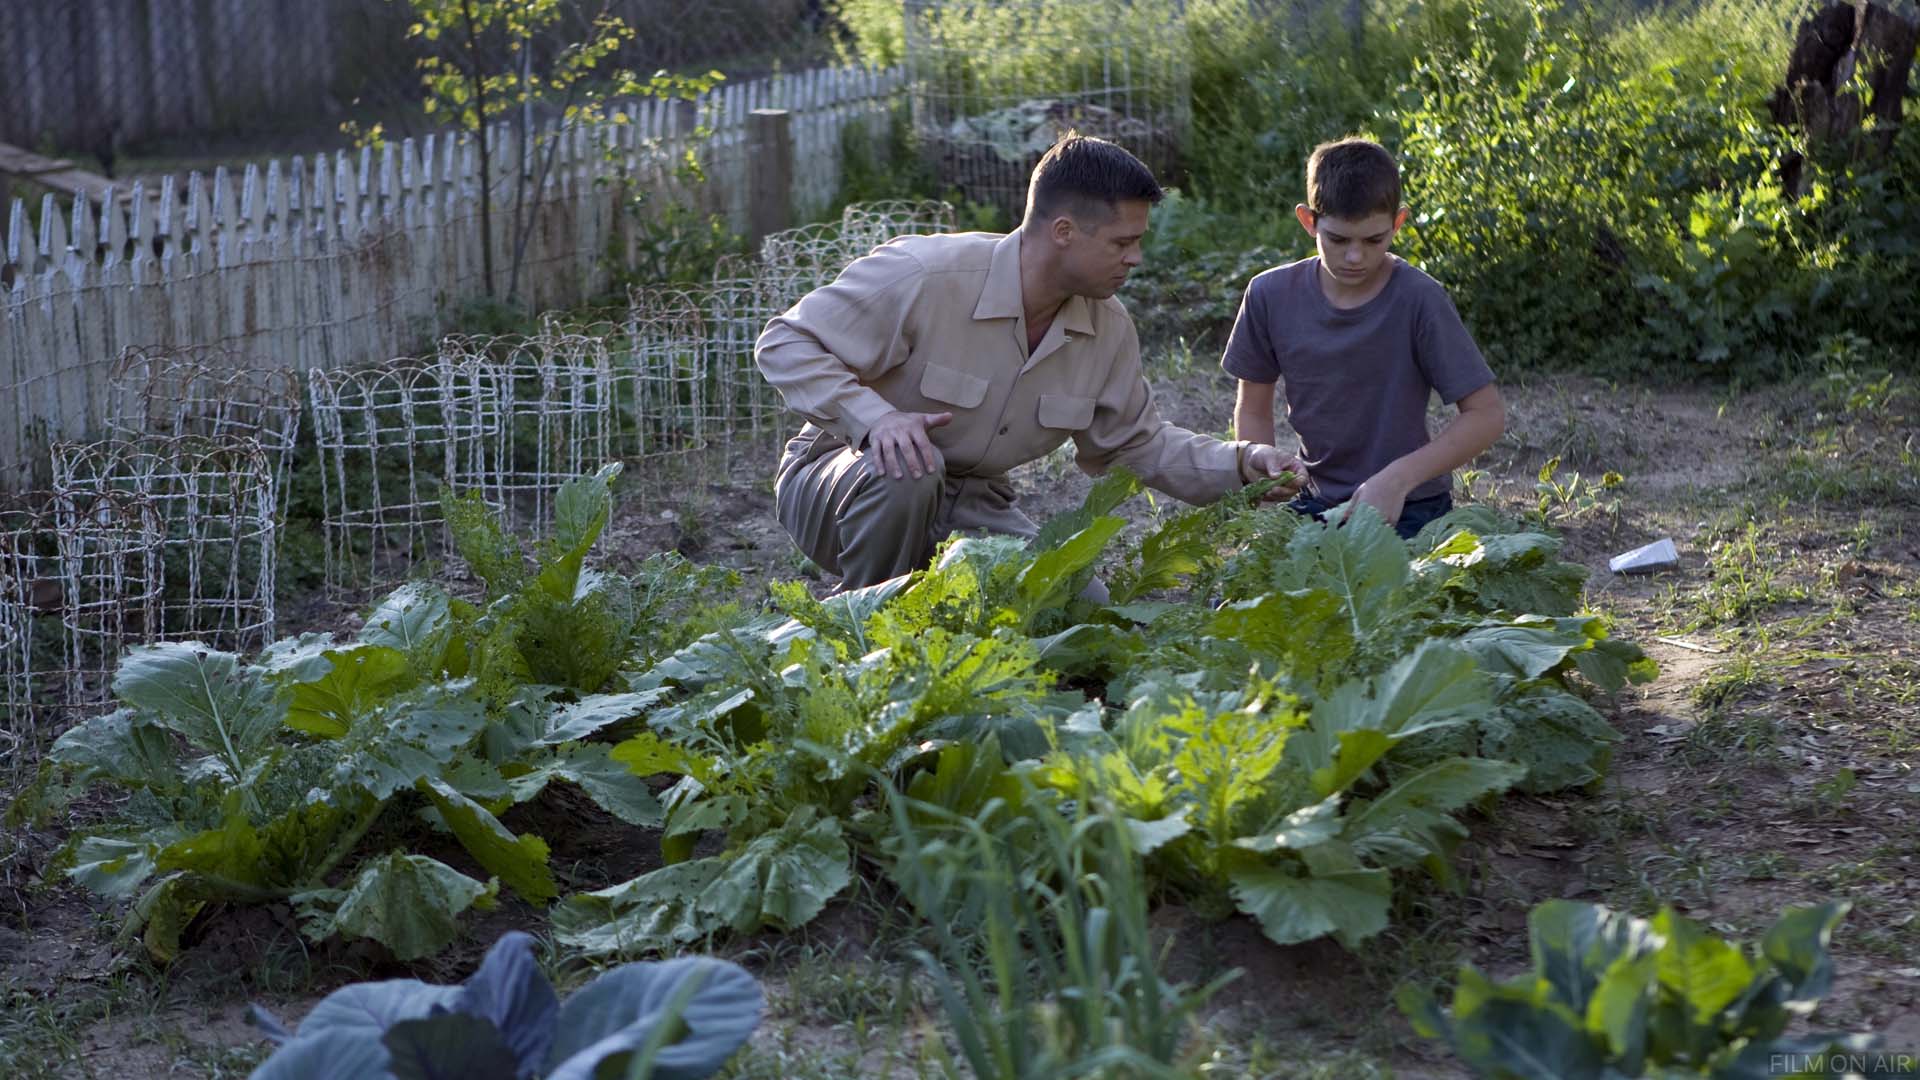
(1352, 250)
(1096, 258)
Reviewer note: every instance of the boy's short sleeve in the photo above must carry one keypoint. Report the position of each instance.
(1250, 354)
(1445, 351)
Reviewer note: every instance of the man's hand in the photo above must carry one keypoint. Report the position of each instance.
(1266, 461)
(901, 444)
(1384, 494)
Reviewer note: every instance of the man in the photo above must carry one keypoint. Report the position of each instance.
(934, 365)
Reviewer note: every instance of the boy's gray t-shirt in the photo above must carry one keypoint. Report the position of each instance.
(1356, 380)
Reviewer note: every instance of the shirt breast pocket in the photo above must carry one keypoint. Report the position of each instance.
(1064, 412)
(951, 387)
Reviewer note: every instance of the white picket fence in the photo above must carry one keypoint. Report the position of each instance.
(359, 256)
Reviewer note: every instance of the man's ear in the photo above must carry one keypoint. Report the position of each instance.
(1307, 221)
(1060, 230)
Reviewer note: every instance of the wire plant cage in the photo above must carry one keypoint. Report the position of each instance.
(80, 581)
(548, 399)
(210, 391)
(216, 502)
(994, 83)
(392, 438)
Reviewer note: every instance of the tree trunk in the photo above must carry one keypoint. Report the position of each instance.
(1845, 40)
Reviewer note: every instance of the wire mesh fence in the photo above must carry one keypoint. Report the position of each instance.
(996, 82)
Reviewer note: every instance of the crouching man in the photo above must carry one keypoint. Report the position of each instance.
(934, 365)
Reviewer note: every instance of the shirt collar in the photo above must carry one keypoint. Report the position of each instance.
(1000, 293)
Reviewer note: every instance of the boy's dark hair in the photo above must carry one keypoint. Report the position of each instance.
(1083, 177)
(1352, 178)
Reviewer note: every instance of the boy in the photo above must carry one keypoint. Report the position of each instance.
(1361, 338)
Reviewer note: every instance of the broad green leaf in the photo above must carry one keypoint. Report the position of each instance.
(1514, 1030)
(357, 680)
(655, 912)
(1797, 946)
(1436, 686)
(1150, 836)
(1363, 563)
(409, 738)
(784, 877)
(1044, 582)
(781, 879)
(366, 1010)
(1611, 664)
(221, 707)
(647, 754)
(1704, 972)
(589, 715)
(409, 903)
(519, 861)
(1560, 739)
(1307, 630)
(582, 508)
(417, 620)
(110, 867)
(1525, 649)
(239, 858)
(609, 783)
(1418, 810)
(1107, 493)
(121, 746)
(1291, 908)
(511, 992)
(1302, 828)
(1618, 1008)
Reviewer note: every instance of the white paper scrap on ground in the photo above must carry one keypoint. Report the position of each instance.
(1659, 555)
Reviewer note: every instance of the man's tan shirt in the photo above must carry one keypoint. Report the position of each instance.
(935, 324)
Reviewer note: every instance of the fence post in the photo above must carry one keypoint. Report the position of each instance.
(769, 172)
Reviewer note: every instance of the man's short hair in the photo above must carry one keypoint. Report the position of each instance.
(1352, 178)
(1084, 178)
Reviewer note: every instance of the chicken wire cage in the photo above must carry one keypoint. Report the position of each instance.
(548, 401)
(868, 225)
(994, 83)
(80, 581)
(215, 499)
(392, 438)
(211, 391)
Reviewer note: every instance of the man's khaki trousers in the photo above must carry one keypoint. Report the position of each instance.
(852, 520)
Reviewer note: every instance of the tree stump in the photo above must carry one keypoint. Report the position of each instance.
(1835, 45)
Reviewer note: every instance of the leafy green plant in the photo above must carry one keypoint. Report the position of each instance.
(677, 1020)
(1570, 497)
(1046, 965)
(259, 781)
(1614, 996)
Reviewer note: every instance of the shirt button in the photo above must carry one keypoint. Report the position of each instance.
(1003, 431)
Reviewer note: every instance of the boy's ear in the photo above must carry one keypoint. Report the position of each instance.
(1305, 216)
(1399, 219)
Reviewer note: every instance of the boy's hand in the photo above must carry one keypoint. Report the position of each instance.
(1267, 461)
(1381, 493)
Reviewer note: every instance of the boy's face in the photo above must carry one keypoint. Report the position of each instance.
(1352, 250)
